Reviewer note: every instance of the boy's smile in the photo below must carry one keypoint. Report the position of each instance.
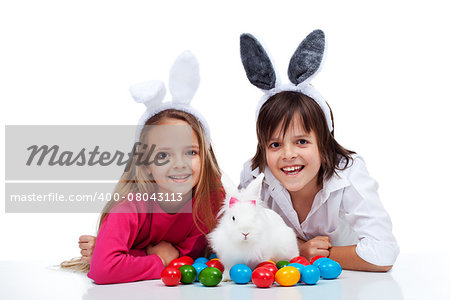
(294, 158)
(292, 170)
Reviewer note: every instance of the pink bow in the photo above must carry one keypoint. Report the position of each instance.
(234, 200)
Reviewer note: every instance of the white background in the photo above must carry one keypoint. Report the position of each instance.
(385, 76)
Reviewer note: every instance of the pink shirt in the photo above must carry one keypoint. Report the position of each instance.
(119, 254)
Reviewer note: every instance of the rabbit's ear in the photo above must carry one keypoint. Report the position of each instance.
(253, 190)
(257, 64)
(228, 185)
(184, 78)
(150, 93)
(307, 59)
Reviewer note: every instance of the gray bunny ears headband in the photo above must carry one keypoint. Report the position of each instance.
(304, 65)
(184, 79)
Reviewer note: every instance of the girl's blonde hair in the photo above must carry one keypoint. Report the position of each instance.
(208, 193)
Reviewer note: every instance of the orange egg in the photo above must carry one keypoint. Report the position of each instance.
(287, 276)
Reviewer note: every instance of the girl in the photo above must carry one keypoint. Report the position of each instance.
(137, 238)
(322, 190)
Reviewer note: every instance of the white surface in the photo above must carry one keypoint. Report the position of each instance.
(413, 277)
(385, 77)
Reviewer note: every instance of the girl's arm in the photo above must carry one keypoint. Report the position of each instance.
(194, 245)
(165, 251)
(112, 260)
(86, 244)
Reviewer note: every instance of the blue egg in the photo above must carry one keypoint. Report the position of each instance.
(298, 266)
(329, 269)
(310, 274)
(199, 267)
(241, 274)
(213, 255)
(317, 262)
(202, 260)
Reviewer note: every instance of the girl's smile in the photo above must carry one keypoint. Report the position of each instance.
(179, 178)
(177, 144)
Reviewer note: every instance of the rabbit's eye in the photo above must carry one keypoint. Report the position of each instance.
(233, 218)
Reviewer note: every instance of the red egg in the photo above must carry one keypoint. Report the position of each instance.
(265, 263)
(300, 260)
(177, 263)
(215, 263)
(262, 277)
(316, 258)
(268, 265)
(171, 276)
(187, 259)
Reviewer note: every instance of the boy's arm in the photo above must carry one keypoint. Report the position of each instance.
(346, 255)
(377, 247)
(348, 259)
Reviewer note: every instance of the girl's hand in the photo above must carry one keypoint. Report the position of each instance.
(165, 250)
(87, 245)
(319, 245)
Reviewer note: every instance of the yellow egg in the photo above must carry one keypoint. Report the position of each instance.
(287, 276)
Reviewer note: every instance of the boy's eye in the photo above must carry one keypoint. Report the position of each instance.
(162, 155)
(274, 145)
(302, 142)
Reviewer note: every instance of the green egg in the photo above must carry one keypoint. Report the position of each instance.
(282, 264)
(188, 274)
(210, 276)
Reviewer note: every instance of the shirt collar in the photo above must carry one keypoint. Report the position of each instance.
(283, 199)
(270, 179)
(335, 183)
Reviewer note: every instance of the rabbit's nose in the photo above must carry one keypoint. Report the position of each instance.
(245, 234)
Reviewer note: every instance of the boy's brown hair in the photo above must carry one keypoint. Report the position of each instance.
(281, 109)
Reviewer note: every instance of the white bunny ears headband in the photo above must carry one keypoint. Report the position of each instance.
(184, 79)
(304, 65)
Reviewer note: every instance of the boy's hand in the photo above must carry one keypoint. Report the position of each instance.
(87, 245)
(165, 250)
(319, 245)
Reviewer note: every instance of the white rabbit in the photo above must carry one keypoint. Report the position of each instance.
(249, 233)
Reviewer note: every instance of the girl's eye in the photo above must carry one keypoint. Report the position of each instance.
(162, 155)
(274, 145)
(302, 142)
(234, 219)
(191, 152)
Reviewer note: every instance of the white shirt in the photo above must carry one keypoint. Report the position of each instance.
(347, 209)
